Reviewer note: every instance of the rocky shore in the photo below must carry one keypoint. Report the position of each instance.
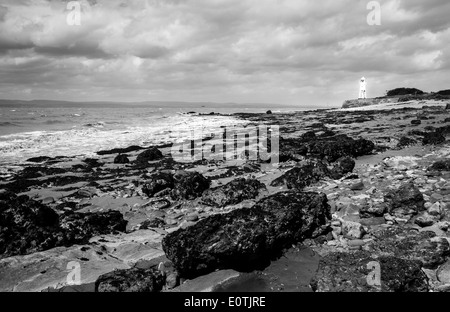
(360, 201)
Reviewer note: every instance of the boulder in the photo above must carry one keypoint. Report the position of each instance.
(27, 226)
(121, 159)
(233, 192)
(312, 172)
(300, 177)
(433, 138)
(338, 146)
(405, 141)
(329, 148)
(247, 239)
(341, 167)
(189, 185)
(131, 280)
(406, 201)
(150, 154)
(157, 182)
(441, 165)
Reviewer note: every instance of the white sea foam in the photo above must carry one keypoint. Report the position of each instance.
(15, 148)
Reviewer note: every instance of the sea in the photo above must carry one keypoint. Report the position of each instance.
(40, 128)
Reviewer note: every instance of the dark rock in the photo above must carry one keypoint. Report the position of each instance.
(341, 167)
(407, 200)
(339, 146)
(93, 162)
(313, 172)
(308, 136)
(39, 171)
(405, 141)
(441, 165)
(433, 138)
(121, 159)
(181, 185)
(350, 272)
(424, 220)
(447, 106)
(150, 154)
(80, 227)
(327, 148)
(189, 185)
(131, 280)
(121, 150)
(300, 177)
(27, 226)
(369, 210)
(233, 192)
(416, 122)
(246, 239)
(157, 182)
(269, 112)
(39, 159)
(409, 244)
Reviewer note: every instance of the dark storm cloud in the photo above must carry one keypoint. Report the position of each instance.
(214, 50)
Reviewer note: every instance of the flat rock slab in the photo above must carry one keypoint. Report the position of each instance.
(361, 272)
(132, 247)
(207, 283)
(41, 270)
(51, 268)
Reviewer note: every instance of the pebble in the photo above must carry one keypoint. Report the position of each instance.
(185, 224)
(48, 200)
(192, 216)
(336, 223)
(357, 186)
(353, 229)
(444, 225)
(443, 273)
(170, 221)
(436, 196)
(356, 242)
(336, 230)
(435, 209)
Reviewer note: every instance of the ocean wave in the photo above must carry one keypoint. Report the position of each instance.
(54, 121)
(99, 124)
(9, 124)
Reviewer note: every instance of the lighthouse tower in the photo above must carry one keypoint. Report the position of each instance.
(362, 88)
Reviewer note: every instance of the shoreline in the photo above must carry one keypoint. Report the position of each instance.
(360, 212)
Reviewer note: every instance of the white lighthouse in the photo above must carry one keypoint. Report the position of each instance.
(362, 88)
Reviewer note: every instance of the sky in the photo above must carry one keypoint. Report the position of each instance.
(296, 52)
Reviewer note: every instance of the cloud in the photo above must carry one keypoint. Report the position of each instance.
(280, 51)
